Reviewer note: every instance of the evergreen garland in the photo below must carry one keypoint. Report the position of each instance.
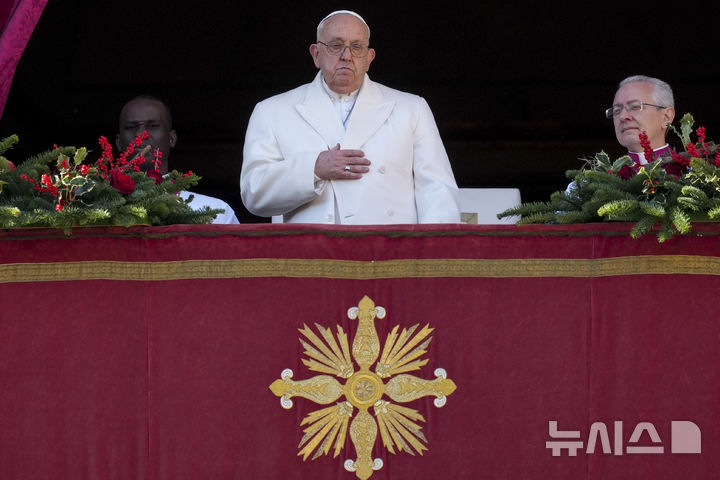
(56, 189)
(667, 194)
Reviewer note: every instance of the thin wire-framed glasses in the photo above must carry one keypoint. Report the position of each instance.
(633, 106)
(357, 50)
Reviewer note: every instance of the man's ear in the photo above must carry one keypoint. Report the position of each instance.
(173, 138)
(117, 142)
(314, 53)
(669, 115)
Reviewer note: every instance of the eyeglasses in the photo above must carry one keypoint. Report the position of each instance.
(632, 107)
(357, 50)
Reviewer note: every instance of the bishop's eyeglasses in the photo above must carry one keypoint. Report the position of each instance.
(357, 50)
(633, 106)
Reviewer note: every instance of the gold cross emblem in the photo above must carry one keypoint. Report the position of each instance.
(398, 425)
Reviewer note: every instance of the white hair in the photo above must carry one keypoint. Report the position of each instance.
(662, 93)
(338, 12)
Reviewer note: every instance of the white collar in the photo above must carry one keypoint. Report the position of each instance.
(334, 96)
(641, 155)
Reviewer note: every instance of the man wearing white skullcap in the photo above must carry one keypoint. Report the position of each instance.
(344, 149)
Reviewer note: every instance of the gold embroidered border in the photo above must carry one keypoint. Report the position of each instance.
(359, 270)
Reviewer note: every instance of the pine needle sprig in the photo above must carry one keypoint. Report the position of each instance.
(7, 143)
(643, 226)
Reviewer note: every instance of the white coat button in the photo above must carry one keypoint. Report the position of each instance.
(382, 170)
(390, 213)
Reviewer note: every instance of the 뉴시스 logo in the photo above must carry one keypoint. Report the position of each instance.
(685, 437)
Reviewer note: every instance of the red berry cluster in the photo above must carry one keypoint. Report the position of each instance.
(106, 164)
(679, 158)
(46, 185)
(645, 142)
(157, 159)
(705, 148)
(651, 185)
(692, 150)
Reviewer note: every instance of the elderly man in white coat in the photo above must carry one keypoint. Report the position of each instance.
(344, 149)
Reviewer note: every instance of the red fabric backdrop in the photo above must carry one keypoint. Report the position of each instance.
(17, 20)
(147, 353)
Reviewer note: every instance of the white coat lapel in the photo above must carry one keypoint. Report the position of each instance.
(370, 112)
(318, 112)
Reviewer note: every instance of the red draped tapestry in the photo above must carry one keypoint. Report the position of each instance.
(148, 353)
(17, 20)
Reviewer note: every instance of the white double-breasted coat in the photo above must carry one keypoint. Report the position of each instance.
(410, 178)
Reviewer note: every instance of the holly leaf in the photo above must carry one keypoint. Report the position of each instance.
(85, 187)
(80, 155)
(686, 124)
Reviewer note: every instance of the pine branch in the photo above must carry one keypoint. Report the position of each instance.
(618, 209)
(538, 217)
(666, 232)
(714, 213)
(7, 143)
(575, 216)
(680, 220)
(643, 226)
(527, 209)
(652, 208)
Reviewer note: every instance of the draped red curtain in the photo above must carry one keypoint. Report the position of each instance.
(18, 19)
